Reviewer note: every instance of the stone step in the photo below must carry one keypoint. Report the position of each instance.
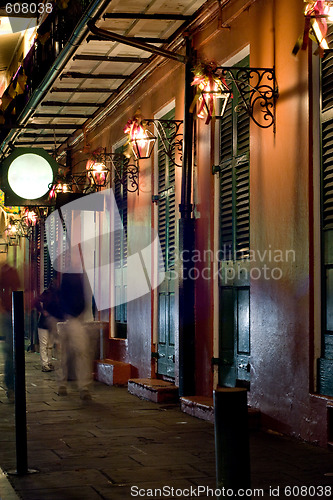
(203, 407)
(198, 406)
(113, 372)
(158, 391)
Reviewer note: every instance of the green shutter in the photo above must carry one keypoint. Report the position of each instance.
(234, 180)
(167, 203)
(234, 229)
(167, 236)
(120, 251)
(325, 363)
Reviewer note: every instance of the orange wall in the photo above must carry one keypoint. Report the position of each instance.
(279, 203)
(165, 85)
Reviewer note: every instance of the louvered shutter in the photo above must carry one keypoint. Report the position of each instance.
(120, 251)
(325, 363)
(167, 203)
(167, 236)
(37, 231)
(48, 269)
(234, 228)
(234, 180)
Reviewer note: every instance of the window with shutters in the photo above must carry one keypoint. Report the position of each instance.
(326, 361)
(234, 232)
(166, 203)
(234, 180)
(48, 268)
(167, 236)
(120, 253)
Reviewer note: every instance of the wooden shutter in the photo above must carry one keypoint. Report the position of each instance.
(48, 268)
(120, 251)
(234, 226)
(234, 180)
(167, 203)
(325, 363)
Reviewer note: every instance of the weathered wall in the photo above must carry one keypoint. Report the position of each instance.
(163, 87)
(281, 331)
(281, 336)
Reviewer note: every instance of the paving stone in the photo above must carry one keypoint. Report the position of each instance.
(101, 449)
(67, 493)
(153, 474)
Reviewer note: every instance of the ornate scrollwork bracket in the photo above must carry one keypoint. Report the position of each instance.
(125, 172)
(170, 137)
(258, 91)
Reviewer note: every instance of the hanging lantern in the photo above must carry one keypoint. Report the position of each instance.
(12, 233)
(60, 187)
(97, 172)
(210, 86)
(141, 141)
(30, 217)
(315, 28)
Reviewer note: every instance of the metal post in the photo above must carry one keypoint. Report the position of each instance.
(232, 451)
(19, 376)
(186, 243)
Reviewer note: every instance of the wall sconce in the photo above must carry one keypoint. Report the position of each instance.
(141, 140)
(12, 233)
(256, 87)
(97, 172)
(3, 246)
(316, 13)
(60, 187)
(22, 227)
(210, 86)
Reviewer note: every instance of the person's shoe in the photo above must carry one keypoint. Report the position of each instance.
(62, 391)
(46, 369)
(85, 395)
(51, 366)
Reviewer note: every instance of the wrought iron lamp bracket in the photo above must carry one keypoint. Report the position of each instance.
(125, 172)
(258, 91)
(170, 136)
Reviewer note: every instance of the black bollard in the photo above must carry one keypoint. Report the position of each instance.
(19, 376)
(232, 451)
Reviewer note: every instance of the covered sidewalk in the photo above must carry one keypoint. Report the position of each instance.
(120, 447)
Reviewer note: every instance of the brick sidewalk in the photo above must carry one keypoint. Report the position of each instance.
(103, 448)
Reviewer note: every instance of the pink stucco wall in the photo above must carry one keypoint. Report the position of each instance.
(280, 193)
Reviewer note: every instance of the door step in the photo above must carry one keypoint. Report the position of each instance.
(112, 372)
(158, 391)
(198, 406)
(203, 407)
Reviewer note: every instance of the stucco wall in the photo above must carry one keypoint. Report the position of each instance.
(162, 88)
(280, 169)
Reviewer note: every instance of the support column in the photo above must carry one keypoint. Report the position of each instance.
(186, 243)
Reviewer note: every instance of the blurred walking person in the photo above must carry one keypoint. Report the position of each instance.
(74, 340)
(49, 307)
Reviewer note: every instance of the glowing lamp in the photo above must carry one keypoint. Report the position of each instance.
(27, 174)
(97, 172)
(30, 217)
(210, 85)
(12, 234)
(142, 142)
(211, 91)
